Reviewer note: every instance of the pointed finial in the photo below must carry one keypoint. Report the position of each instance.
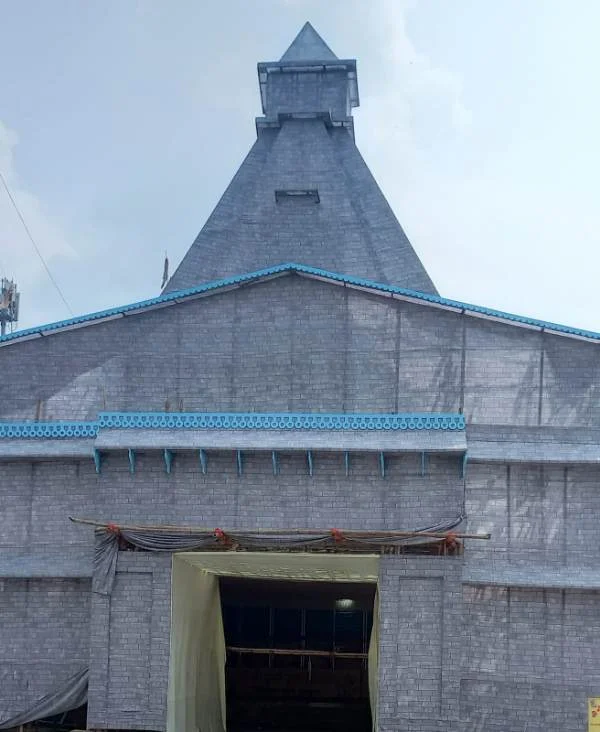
(308, 46)
(165, 276)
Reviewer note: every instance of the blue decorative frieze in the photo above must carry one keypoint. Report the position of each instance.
(278, 421)
(47, 430)
(58, 430)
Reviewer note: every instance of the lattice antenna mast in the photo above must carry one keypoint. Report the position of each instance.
(9, 305)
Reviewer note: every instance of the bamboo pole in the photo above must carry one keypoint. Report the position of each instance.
(294, 652)
(346, 533)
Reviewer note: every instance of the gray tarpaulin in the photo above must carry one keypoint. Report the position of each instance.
(169, 539)
(107, 549)
(196, 693)
(70, 695)
(106, 552)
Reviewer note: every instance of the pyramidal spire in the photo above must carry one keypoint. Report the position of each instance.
(308, 46)
(304, 194)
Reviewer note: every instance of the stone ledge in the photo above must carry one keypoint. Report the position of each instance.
(542, 576)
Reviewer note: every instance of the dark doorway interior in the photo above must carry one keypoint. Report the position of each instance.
(74, 719)
(297, 655)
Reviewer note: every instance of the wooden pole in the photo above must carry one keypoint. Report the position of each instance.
(346, 533)
(294, 652)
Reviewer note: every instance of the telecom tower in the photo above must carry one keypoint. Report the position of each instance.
(9, 304)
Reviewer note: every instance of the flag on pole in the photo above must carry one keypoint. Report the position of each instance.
(165, 276)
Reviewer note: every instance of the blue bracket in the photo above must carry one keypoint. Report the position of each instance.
(131, 456)
(347, 463)
(463, 466)
(309, 461)
(168, 456)
(98, 461)
(382, 464)
(203, 462)
(275, 461)
(240, 462)
(424, 463)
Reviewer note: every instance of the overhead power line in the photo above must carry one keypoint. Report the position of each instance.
(35, 246)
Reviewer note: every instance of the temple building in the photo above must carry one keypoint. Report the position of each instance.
(300, 490)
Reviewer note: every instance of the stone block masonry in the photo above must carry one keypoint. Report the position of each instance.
(44, 637)
(295, 344)
(130, 634)
(221, 497)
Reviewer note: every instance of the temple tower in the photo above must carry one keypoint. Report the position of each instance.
(304, 194)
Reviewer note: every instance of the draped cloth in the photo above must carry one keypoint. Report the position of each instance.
(188, 540)
(70, 695)
(196, 692)
(373, 663)
(107, 549)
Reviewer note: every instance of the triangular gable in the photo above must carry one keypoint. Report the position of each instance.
(222, 285)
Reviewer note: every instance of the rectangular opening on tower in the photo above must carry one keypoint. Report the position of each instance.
(300, 195)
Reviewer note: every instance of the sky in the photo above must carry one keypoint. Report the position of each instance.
(122, 122)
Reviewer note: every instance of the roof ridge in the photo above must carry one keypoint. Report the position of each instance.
(288, 267)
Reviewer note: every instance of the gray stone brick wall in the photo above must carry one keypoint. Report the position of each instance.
(420, 642)
(256, 499)
(444, 651)
(496, 658)
(537, 514)
(289, 345)
(295, 344)
(130, 631)
(530, 658)
(44, 637)
(130, 646)
(317, 91)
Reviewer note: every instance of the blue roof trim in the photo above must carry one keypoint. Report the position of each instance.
(144, 304)
(230, 421)
(303, 269)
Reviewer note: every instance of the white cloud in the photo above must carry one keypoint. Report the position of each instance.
(490, 229)
(410, 76)
(410, 102)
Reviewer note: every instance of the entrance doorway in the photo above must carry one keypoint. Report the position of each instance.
(297, 654)
(280, 642)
